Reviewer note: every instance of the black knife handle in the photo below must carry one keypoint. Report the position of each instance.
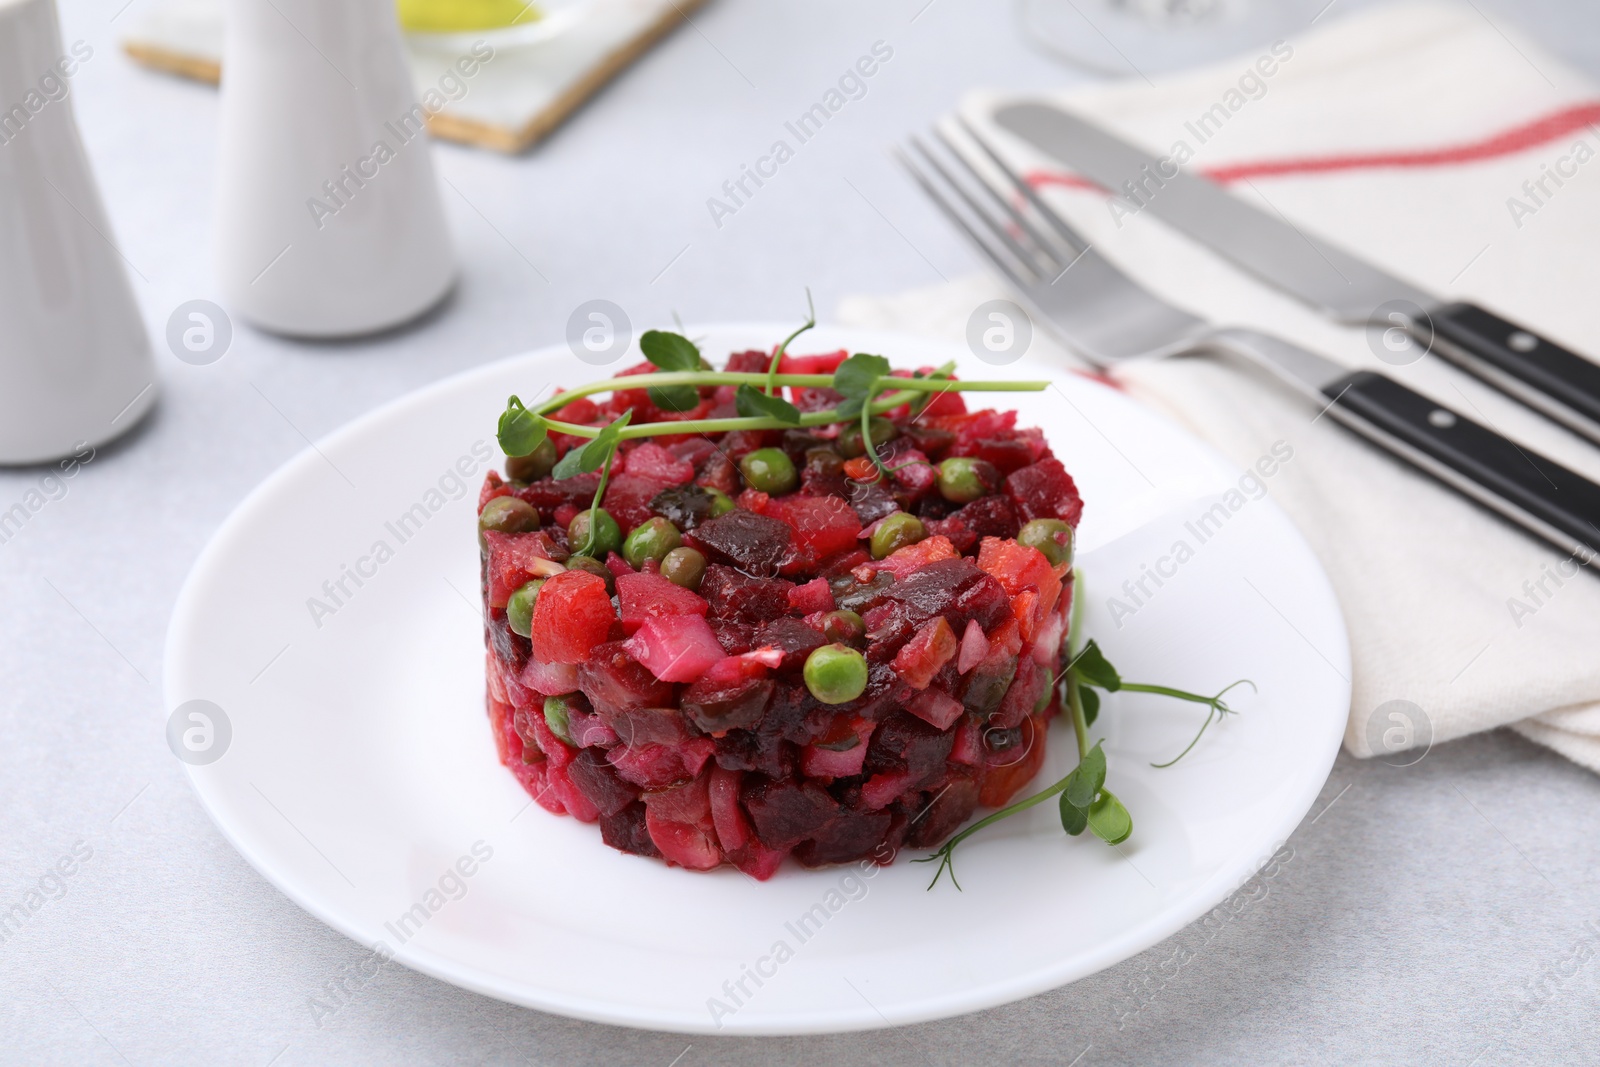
(1540, 373)
(1546, 498)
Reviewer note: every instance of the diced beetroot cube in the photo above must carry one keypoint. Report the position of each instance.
(786, 813)
(754, 500)
(944, 813)
(991, 516)
(618, 566)
(557, 751)
(695, 752)
(615, 682)
(648, 766)
(884, 789)
(759, 861)
(824, 364)
(677, 649)
(493, 486)
(572, 615)
(814, 596)
(753, 361)
(853, 836)
(905, 562)
(821, 760)
(499, 713)
(931, 648)
(628, 499)
(945, 404)
(1008, 455)
(682, 844)
(732, 695)
(645, 726)
(648, 596)
(565, 513)
(733, 827)
(587, 729)
(688, 802)
(652, 461)
(719, 472)
(937, 708)
(968, 747)
(823, 526)
(737, 597)
(626, 832)
(1026, 688)
(549, 679)
(904, 742)
(792, 639)
(1045, 491)
(751, 542)
(572, 798)
(517, 559)
(974, 648)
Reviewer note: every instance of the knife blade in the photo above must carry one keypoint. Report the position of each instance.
(1552, 380)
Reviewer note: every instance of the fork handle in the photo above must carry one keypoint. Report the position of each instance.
(1547, 499)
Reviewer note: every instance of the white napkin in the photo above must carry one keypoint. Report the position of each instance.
(1461, 615)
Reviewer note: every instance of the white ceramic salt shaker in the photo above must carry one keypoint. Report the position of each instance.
(75, 364)
(329, 217)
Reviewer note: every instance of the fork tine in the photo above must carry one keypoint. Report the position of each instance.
(1059, 224)
(998, 258)
(959, 188)
(1051, 252)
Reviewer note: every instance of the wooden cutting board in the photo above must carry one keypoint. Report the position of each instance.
(510, 103)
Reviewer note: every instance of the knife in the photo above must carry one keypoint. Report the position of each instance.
(1532, 369)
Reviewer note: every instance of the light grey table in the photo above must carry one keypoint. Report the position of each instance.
(1442, 913)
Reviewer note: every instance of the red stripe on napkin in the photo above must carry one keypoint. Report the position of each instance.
(1517, 139)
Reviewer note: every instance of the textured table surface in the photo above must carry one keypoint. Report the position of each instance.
(1441, 913)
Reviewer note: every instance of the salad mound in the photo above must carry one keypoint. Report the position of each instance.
(825, 640)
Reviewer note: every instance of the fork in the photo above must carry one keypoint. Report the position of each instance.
(1107, 318)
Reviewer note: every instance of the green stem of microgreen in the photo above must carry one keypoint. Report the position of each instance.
(946, 854)
(777, 356)
(1218, 709)
(804, 381)
(594, 507)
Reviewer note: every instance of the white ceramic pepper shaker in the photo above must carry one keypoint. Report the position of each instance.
(75, 364)
(329, 217)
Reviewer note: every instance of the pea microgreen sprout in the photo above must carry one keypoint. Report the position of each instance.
(1085, 803)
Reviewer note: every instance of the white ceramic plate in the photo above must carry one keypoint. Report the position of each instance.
(360, 775)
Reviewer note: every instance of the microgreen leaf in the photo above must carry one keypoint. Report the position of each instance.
(1088, 779)
(675, 397)
(592, 456)
(1091, 704)
(850, 409)
(1073, 818)
(858, 375)
(521, 431)
(568, 467)
(754, 404)
(1092, 668)
(1109, 820)
(670, 351)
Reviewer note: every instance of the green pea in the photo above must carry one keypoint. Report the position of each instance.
(607, 534)
(770, 470)
(534, 466)
(596, 568)
(684, 566)
(507, 514)
(519, 609)
(652, 539)
(836, 674)
(844, 627)
(896, 532)
(721, 503)
(557, 716)
(963, 479)
(1050, 536)
(851, 443)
